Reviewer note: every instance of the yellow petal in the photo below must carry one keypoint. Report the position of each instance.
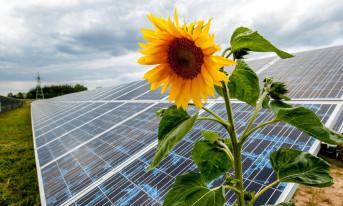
(195, 91)
(155, 85)
(198, 29)
(205, 42)
(222, 61)
(184, 95)
(207, 27)
(207, 76)
(154, 49)
(175, 88)
(190, 28)
(176, 19)
(152, 59)
(158, 23)
(184, 27)
(166, 83)
(217, 83)
(155, 40)
(208, 42)
(223, 77)
(211, 92)
(210, 63)
(202, 86)
(160, 75)
(153, 71)
(144, 46)
(148, 32)
(210, 50)
(173, 29)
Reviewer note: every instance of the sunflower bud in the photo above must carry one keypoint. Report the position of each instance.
(239, 54)
(267, 81)
(228, 180)
(231, 181)
(248, 195)
(278, 90)
(160, 112)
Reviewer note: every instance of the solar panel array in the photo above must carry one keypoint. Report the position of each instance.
(92, 147)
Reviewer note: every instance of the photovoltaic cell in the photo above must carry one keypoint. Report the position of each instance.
(137, 92)
(124, 90)
(259, 64)
(339, 124)
(99, 156)
(92, 147)
(311, 75)
(133, 186)
(153, 95)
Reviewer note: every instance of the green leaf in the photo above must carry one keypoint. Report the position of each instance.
(160, 112)
(282, 204)
(210, 160)
(190, 189)
(265, 103)
(305, 120)
(171, 118)
(244, 84)
(219, 90)
(300, 167)
(210, 136)
(247, 40)
(228, 143)
(174, 125)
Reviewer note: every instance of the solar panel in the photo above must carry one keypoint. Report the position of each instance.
(92, 147)
(339, 123)
(124, 186)
(314, 74)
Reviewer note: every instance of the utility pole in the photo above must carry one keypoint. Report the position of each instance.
(39, 90)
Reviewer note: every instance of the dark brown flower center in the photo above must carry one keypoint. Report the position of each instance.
(185, 58)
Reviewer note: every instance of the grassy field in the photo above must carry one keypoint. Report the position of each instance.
(18, 176)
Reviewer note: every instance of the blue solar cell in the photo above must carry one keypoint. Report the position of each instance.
(312, 74)
(339, 124)
(124, 90)
(153, 95)
(94, 197)
(55, 189)
(135, 92)
(257, 169)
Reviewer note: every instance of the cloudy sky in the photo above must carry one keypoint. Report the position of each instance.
(94, 43)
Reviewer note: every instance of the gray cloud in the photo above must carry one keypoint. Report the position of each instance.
(90, 41)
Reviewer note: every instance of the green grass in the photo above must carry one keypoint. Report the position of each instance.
(18, 176)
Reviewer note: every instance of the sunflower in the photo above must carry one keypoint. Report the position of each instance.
(184, 60)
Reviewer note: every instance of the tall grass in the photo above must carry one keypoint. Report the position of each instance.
(18, 176)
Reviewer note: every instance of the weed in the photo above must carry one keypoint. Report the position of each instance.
(18, 176)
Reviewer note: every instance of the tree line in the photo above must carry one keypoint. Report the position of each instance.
(49, 91)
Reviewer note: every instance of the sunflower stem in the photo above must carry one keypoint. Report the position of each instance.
(226, 50)
(237, 148)
(244, 135)
(226, 150)
(259, 126)
(262, 191)
(227, 56)
(232, 188)
(213, 119)
(222, 121)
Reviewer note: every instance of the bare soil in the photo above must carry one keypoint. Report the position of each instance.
(328, 196)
